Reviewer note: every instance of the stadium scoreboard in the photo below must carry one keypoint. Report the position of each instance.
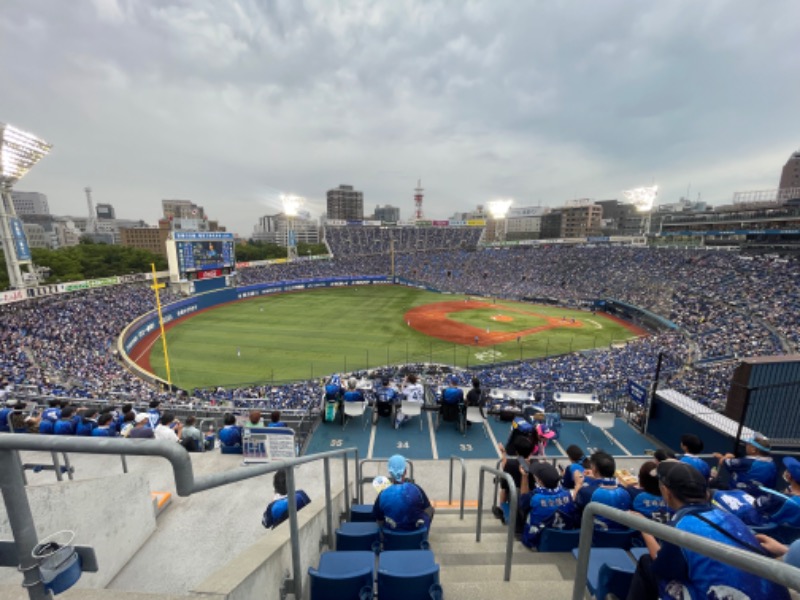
(200, 255)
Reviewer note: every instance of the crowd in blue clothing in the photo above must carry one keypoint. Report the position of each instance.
(727, 306)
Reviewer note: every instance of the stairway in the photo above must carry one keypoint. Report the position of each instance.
(473, 570)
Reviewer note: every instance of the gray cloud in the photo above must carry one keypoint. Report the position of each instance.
(229, 104)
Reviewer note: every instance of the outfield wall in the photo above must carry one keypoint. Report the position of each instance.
(138, 331)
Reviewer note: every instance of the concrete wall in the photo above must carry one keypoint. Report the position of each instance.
(114, 515)
(259, 571)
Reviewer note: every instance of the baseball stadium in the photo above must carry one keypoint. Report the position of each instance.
(608, 347)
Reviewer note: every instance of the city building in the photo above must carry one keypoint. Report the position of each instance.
(620, 218)
(581, 219)
(273, 229)
(30, 203)
(185, 215)
(36, 235)
(345, 204)
(387, 214)
(551, 225)
(152, 239)
(790, 176)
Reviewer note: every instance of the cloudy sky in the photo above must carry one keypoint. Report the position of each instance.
(231, 102)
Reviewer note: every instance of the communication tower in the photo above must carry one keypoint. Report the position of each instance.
(418, 201)
(91, 223)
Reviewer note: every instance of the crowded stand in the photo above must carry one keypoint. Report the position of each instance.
(726, 307)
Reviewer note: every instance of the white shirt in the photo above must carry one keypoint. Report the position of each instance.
(164, 432)
(414, 392)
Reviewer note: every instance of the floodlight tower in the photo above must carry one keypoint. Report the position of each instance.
(643, 199)
(418, 201)
(291, 206)
(498, 209)
(19, 151)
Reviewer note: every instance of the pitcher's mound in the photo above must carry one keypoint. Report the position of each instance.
(502, 318)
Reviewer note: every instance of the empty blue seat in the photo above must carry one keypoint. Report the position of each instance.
(637, 553)
(361, 513)
(343, 576)
(610, 572)
(405, 540)
(408, 575)
(786, 534)
(613, 538)
(558, 540)
(357, 536)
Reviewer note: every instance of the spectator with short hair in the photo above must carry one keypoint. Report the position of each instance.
(66, 422)
(104, 426)
(275, 419)
(87, 421)
(403, 506)
(50, 415)
(603, 487)
(646, 499)
(547, 505)
(752, 471)
(191, 436)
(230, 436)
(576, 458)
(516, 467)
(691, 446)
(277, 511)
(169, 429)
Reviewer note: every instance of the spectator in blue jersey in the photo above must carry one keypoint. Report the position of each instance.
(334, 389)
(780, 508)
(402, 506)
(514, 466)
(154, 414)
(5, 412)
(646, 498)
(278, 510)
(352, 394)
(110, 410)
(105, 423)
(275, 419)
(230, 436)
(669, 571)
(547, 505)
(87, 421)
(66, 424)
(50, 415)
(691, 446)
(739, 503)
(451, 400)
(752, 471)
(141, 429)
(602, 487)
(386, 398)
(121, 421)
(576, 459)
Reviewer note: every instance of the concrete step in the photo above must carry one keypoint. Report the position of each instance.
(492, 590)
(522, 556)
(466, 538)
(487, 573)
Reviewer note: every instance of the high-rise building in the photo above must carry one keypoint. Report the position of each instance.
(345, 204)
(273, 229)
(185, 215)
(524, 222)
(581, 221)
(387, 214)
(30, 203)
(790, 176)
(153, 239)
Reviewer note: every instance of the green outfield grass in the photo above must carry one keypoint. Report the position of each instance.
(310, 334)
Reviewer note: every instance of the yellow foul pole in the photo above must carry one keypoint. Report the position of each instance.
(155, 287)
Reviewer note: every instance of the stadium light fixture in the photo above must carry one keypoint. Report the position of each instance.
(291, 204)
(291, 208)
(499, 208)
(642, 198)
(19, 152)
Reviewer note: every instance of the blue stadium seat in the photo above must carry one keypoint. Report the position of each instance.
(637, 553)
(786, 534)
(357, 536)
(408, 575)
(343, 576)
(405, 540)
(558, 540)
(230, 449)
(614, 538)
(361, 513)
(610, 572)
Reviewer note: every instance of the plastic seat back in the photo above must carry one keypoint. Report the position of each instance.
(357, 536)
(408, 575)
(343, 576)
(559, 540)
(613, 538)
(610, 571)
(405, 540)
(361, 513)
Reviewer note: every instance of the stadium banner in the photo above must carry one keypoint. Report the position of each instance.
(20, 241)
(265, 444)
(336, 222)
(440, 223)
(355, 223)
(373, 223)
(476, 222)
(424, 223)
(637, 392)
(12, 296)
(457, 223)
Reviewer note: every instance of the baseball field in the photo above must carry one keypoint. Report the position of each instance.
(314, 333)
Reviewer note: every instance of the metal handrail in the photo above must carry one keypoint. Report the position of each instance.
(20, 516)
(769, 568)
(463, 482)
(512, 509)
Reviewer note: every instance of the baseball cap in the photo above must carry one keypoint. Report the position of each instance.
(140, 418)
(397, 467)
(793, 466)
(452, 380)
(683, 480)
(759, 441)
(546, 473)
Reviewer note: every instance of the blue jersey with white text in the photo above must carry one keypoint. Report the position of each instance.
(697, 463)
(551, 508)
(278, 510)
(402, 506)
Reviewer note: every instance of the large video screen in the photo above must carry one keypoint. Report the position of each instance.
(203, 255)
